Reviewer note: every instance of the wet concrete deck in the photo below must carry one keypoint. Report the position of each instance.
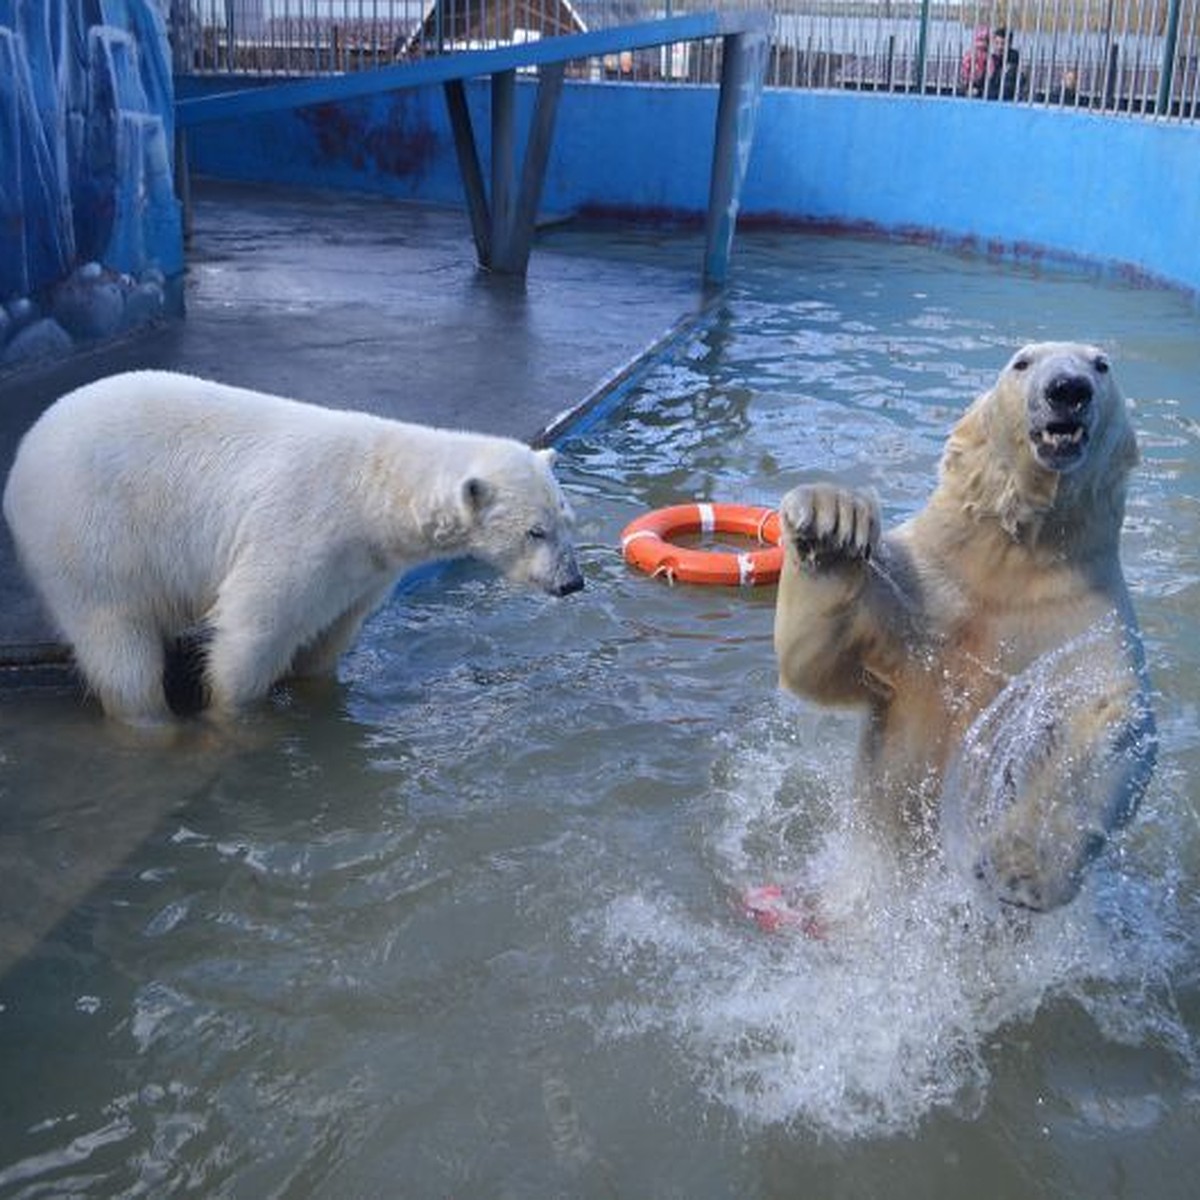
(359, 302)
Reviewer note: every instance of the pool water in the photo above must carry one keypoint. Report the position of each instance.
(467, 924)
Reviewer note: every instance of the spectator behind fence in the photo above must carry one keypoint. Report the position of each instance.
(972, 74)
(1004, 67)
(1068, 94)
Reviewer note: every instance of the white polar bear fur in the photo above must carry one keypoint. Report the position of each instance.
(1012, 567)
(150, 504)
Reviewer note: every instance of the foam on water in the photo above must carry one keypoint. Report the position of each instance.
(896, 1012)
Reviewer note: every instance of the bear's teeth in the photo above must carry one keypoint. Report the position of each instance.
(1059, 438)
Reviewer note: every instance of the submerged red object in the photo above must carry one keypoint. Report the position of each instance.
(775, 909)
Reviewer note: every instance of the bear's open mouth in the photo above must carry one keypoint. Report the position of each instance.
(1059, 444)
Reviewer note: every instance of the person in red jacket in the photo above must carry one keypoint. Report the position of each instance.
(972, 74)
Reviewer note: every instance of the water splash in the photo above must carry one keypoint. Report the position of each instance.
(1025, 777)
(899, 1011)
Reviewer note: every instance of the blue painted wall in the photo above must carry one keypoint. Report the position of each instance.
(90, 234)
(1008, 179)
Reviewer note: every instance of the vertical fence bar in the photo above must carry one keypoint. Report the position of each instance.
(922, 46)
(1166, 76)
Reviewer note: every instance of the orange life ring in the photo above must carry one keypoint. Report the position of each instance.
(646, 544)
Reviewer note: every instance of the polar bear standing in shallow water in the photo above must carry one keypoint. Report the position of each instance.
(1012, 565)
(154, 510)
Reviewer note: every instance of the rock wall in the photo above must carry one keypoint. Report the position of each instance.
(91, 239)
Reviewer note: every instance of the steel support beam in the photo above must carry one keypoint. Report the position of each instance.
(503, 224)
(743, 66)
(504, 163)
(523, 222)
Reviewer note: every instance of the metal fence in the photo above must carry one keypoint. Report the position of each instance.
(1132, 57)
(1128, 56)
(300, 37)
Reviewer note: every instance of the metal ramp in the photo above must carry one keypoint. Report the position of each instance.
(503, 216)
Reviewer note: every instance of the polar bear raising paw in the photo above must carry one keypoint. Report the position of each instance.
(1010, 572)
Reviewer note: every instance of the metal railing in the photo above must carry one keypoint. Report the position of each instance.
(1132, 57)
(302, 37)
(1127, 56)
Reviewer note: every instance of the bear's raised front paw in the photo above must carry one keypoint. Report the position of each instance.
(827, 524)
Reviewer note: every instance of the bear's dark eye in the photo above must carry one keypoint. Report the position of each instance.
(1101, 364)
(1021, 362)
(536, 533)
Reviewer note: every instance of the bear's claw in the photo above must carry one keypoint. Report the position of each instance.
(826, 524)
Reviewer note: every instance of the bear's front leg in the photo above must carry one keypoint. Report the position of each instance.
(259, 622)
(320, 657)
(1066, 790)
(825, 622)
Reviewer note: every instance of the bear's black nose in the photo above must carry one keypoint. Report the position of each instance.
(1071, 393)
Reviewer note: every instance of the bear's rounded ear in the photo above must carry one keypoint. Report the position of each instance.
(548, 455)
(476, 494)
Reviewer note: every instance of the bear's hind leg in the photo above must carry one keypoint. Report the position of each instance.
(122, 662)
